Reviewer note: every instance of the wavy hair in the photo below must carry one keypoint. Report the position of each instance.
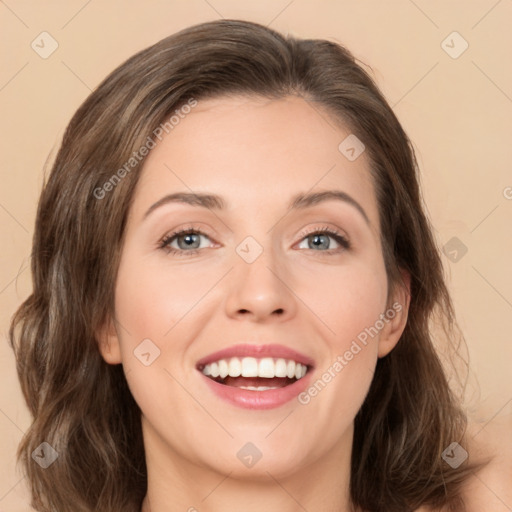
(82, 406)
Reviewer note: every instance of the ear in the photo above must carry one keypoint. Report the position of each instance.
(396, 314)
(108, 342)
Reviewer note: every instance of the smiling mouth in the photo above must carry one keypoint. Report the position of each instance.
(255, 374)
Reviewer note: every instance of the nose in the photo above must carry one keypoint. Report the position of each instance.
(261, 291)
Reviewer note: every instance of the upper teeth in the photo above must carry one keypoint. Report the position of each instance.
(251, 367)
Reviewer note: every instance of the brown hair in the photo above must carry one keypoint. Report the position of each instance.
(82, 406)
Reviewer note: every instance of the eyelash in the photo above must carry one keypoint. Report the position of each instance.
(336, 235)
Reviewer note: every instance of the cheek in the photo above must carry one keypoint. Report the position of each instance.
(351, 309)
(152, 297)
(156, 300)
(151, 307)
(347, 300)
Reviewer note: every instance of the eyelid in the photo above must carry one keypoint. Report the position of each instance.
(188, 228)
(339, 236)
(323, 228)
(333, 232)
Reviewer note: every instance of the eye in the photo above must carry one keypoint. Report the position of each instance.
(187, 241)
(321, 240)
(184, 242)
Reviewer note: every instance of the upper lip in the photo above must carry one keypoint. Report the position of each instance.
(258, 351)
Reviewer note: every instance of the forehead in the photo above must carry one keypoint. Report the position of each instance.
(251, 149)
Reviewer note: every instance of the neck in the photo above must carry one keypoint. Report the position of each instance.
(176, 484)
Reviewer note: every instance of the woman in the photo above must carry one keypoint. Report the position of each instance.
(234, 283)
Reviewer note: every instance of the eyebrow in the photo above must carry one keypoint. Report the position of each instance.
(298, 202)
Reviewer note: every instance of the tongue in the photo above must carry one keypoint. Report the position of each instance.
(276, 382)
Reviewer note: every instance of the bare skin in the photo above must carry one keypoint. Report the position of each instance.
(491, 487)
(257, 154)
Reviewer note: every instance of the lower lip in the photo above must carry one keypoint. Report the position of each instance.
(250, 399)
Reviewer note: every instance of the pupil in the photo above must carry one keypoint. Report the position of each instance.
(189, 238)
(324, 244)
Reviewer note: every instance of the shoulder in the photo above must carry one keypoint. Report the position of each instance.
(491, 487)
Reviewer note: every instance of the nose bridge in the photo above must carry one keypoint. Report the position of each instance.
(258, 285)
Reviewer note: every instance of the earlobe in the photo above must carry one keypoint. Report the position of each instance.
(396, 314)
(108, 343)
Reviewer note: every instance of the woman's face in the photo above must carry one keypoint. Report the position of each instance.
(254, 282)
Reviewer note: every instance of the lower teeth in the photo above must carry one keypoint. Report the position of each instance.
(258, 388)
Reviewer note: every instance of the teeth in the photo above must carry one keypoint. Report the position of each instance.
(258, 388)
(281, 368)
(249, 367)
(223, 368)
(214, 370)
(290, 369)
(266, 367)
(235, 367)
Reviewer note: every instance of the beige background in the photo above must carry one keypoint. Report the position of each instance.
(457, 112)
